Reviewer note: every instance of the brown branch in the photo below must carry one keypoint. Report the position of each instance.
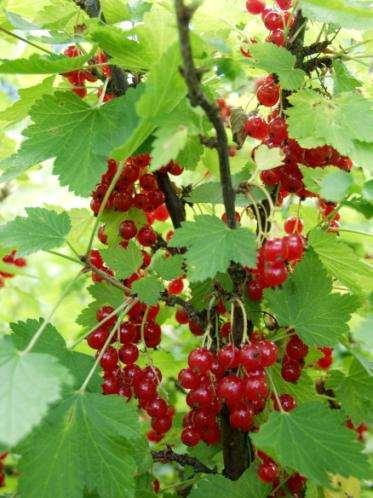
(315, 48)
(192, 78)
(317, 62)
(175, 205)
(169, 455)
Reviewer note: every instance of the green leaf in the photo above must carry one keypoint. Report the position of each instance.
(168, 143)
(266, 158)
(346, 13)
(191, 153)
(67, 128)
(278, 60)
(40, 230)
(212, 246)
(305, 303)
(103, 293)
(313, 440)
(331, 183)
(29, 384)
(91, 438)
(82, 223)
(164, 89)
(341, 261)
(169, 267)
(27, 97)
(112, 220)
(43, 64)
(148, 289)
(353, 391)
(217, 486)
(211, 193)
(344, 81)
(124, 262)
(115, 10)
(338, 122)
(125, 52)
(52, 343)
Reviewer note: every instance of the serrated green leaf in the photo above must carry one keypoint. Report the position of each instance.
(217, 486)
(148, 289)
(212, 246)
(67, 128)
(305, 303)
(346, 13)
(211, 193)
(82, 223)
(280, 61)
(43, 64)
(52, 343)
(124, 262)
(338, 122)
(266, 158)
(29, 384)
(164, 89)
(115, 11)
(42, 229)
(344, 81)
(331, 183)
(91, 437)
(313, 440)
(27, 97)
(168, 268)
(353, 391)
(340, 260)
(191, 153)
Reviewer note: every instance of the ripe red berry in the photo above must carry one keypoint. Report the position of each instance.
(109, 360)
(255, 388)
(181, 316)
(174, 168)
(268, 352)
(127, 229)
(146, 236)
(293, 247)
(287, 402)
(241, 418)
(237, 217)
(229, 356)
(296, 348)
(176, 286)
(291, 370)
(273, 250)
(152, 334)
(225, 329)
(190, 437)
(278, 130)
(293, 225)
(156, 408)
(268, 471)
(256, 127)
(277, 37)
(230, 389)
(161, 213)
(148, 182)
(188, 379)
(153, 436)
(250, 357)
(273, 20)
(255, 6)
(97, 338)
(128, 354)
(161, 424)
(195, 327)
(296, 483)
(274, 274)
(268, 94)
(326, 361)
(103, 313)
(200, 360)
(145, 390)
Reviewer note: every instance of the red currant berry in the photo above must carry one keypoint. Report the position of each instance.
(200, 360)
(188, 379)
(110, 385)
(148, 182)
(296, 483)
(190, 437)
(293, 225)
(156, 408)
(153, 436)
(176, 286)
(161, 424)
(181, 316)
(97, 338)
(127, 229)
(268, 471)
(128, 354)
(291, 370)
(268, 352)
(229, 356)
(241, 418)
(152, 334)
(296, 348)
(273, 20)
(255, 388)
(254, 290)
(109, 360)
(277, 37)
(274, 274)
(256, 127)
(250, 357)
(268, 94)
(225, 329)
(146, 236)
(195, 327)
(255, 6)
(230, 389)
(287, 401)
(326, 361)
(293, 247)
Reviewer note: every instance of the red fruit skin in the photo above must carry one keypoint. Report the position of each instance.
(229, 357)
(127, 229)
(256, 127)
(230, 389)
(250, 357)
(146, 236)
(156, 408)
(287, 401)
(255, 389)
(109, 360)
(268, 94)
(176, 286)
(326, 361)
(277, 37)
(274, 274)
(273, 20)
(200, 360)
(241, 418)
(152, 334)
(255, 6)
(190, 437)
(296, 483)
(268, 352)
(293, 225)
(291, 370)
(97, 338)
(181, 316)
(161, 424)
(128, 354)
(195, 328)
(268, 471)
(296, 349)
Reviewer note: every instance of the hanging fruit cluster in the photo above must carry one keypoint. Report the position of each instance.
(11, 259)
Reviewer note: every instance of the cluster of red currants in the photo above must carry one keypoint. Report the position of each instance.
(360, 429)
(121, 374)
(212, 385)
(277, 21)
(3, 456)
(273, 258)
(269, 472)
(78, 77)
(11, 259)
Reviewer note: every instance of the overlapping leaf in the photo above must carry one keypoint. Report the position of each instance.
(42, 229)
(341, 261)
(346, 13)
(313, 440)
(78, 136)
(148, 289)
(29, 384)
(212, 246)
(124, 262)
(92, 438)
(306, 303)
(43, 64)
(331, 183)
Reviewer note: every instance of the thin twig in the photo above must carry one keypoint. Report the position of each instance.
(10, 33)
(169, 455)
